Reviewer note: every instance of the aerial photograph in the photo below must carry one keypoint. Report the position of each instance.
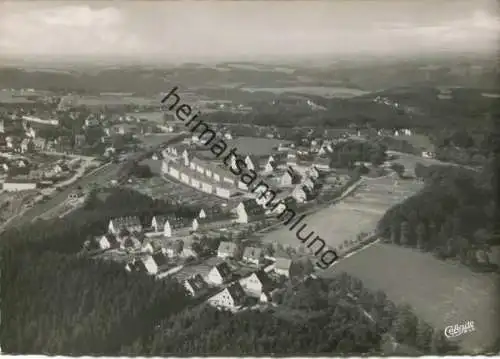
(250, 178)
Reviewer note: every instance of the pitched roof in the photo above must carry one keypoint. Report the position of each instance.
(254, 159)
(237, 293)
(196, 282)
(252, 208)
(132, 221)
(223, 269)
(160, 220)
(160, 259)
(252, 252)
(267, 283)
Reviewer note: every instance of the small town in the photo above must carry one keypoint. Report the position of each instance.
(320, 182)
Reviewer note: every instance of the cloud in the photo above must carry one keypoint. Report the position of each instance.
(193, 30)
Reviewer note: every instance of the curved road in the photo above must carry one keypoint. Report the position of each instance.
(102, 176)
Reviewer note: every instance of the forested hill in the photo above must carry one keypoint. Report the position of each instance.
(455, 216)
(55, 301)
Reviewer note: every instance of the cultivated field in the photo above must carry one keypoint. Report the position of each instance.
(441, 293)
(115, 100)
(418, 141)
(357, 213)
(157, 187)
(328, 92)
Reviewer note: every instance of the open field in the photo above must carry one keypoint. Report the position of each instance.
(328, 92)
(410, 161)
(418, 141)
(441, 293)
(356, 213)
(166, 188)
(12, 203)
(115, 100)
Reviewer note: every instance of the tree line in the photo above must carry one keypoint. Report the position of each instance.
(335, 316)
(454, 216)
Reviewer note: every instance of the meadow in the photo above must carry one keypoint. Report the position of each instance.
(328, 92)
(441, 293)
(356, 213)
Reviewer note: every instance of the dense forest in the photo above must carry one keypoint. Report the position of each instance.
(67, 235)
(57, 301)
(346, 154)
(316, 316)
(61, 304)
(454, 216)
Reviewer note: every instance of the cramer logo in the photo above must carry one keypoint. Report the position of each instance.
(453, 331)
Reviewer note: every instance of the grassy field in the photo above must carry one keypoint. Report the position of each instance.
(355, 214)
(115, 100)
(441, 293)
(418, 141)
(328, 92)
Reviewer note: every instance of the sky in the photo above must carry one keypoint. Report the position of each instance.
(190, 31)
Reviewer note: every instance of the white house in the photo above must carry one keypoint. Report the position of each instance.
(224, 191)
(161, 224)
(27, 145)
(253, 255)
(252, 163)
(248, 210)
(322, 163)
(227, 249)
(152, 247)
(202, 214)
(282, 266)
(149, 264)
(269, 168)
(195, 225)
(313, 173)
(286, 179)
(107, 241)
(195, 285)
(130, 242)
(206, 187)
(291, 159)
(230, 298)
(255, 284)
(308, 183)
(219, 274)
(186, 157)
(299, 194)
(131, 224)
(174, 249)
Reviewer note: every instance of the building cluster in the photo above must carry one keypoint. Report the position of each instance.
(217, 179)
(20, 172)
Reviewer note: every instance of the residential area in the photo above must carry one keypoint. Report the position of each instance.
(310, 184)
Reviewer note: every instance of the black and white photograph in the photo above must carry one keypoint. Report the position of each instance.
(250, 178)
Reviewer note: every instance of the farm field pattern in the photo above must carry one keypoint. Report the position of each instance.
(441, 293)
(357, 213)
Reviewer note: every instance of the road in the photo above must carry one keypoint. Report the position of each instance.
(101, 176)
